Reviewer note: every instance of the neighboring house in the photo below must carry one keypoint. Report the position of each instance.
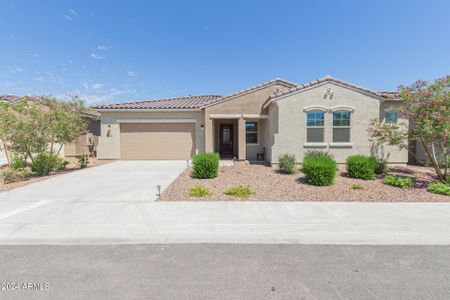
(83, 145)
(259, 123)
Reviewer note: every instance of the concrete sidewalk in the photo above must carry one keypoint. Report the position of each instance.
(83, 222)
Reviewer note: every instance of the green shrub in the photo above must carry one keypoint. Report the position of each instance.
(199, 191)
(318, 153)
(239, 191)
(287, 163)
(380, 166)
(18, 162)
(59, 163)
(357, 187)
(361, 166)
(205, 165)
(83, 161)
(401, 182)
(43, 164)
(439, 188)
(319, 170)
(10, 175)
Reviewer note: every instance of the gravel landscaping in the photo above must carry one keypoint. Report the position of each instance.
(270, 185)
(72, 166)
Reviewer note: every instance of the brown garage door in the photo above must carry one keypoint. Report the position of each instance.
(157, 140)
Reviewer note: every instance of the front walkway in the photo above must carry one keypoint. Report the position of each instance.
(74, 221)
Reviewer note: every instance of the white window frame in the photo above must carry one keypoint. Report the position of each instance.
(349, 127)
(314, 127)
(252, 132)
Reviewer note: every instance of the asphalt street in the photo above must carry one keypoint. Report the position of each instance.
(225, 271)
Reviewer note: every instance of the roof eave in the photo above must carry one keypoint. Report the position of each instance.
(147, 109)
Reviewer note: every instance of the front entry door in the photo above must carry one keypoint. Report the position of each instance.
(226, 139)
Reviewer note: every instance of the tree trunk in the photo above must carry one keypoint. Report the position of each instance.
(31, 156)
(445, 163)
(6, 153)
(433, 161)
(51, 145)
(60, 147)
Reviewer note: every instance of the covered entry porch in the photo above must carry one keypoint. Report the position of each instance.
(238, 136)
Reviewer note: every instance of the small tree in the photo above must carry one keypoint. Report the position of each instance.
(30, 128)
(427, 107)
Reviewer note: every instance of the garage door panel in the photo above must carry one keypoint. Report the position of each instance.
(157, 141)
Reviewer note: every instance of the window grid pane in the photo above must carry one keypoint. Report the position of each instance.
(314, 135)
(341, 118)
(341, 135)
(251, 134)
(315, 118)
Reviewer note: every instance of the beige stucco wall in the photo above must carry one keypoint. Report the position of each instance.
(253, 149)
(392, 153)
(288, 123)
(109, 147)
(248, 103)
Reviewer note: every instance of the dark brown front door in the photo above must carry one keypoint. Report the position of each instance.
(226, 139)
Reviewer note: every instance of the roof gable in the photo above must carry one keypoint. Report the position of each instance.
(253, 89)
(330, 79)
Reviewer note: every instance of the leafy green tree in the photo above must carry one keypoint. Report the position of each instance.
(427, 107)
(31, 128)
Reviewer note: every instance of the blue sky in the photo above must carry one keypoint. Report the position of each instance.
(107, 51)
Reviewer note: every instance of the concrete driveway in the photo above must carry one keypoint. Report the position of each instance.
(119, 181)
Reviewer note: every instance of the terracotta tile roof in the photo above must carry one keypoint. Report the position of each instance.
(390, 95)
(255, 87)
(188, 102)
(15, 99)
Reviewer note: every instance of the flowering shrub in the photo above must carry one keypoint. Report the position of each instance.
(427, 106)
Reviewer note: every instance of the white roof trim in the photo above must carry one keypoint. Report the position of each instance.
(342, 108)
(315, 108)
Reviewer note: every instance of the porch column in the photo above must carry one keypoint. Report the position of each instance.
(241, 139)
(208, 134)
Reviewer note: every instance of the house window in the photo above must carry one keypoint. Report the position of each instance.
(390, 117)
(315, 126)
(251, 132)
(341, 127)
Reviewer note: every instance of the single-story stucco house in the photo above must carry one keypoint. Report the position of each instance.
(258, 123)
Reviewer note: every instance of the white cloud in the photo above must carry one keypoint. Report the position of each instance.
(16, 70)
(95, 56)
(102, 47)
(93, 86)
(68, 17)
(9, 83)
(106, 96)
(97, 86)
(39, 78)
(73, 12)
(132, 73)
